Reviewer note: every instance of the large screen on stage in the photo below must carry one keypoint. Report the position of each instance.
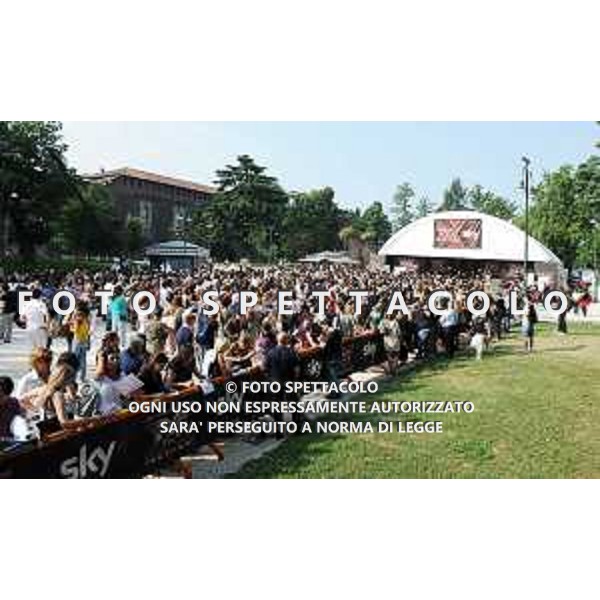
(458, 234)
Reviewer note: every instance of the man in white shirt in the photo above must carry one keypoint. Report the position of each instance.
(35, 315)
(449, 322)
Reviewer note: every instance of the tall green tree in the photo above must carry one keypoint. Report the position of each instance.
(312, 223)
(423, 208)
(455, 197)
(134, 236)
(375, 225)
(87, 223)
(565, 215)
(34, 180)
(587, 191)
(556, 216)
(245, 218)
(402, 213)
(490, 203)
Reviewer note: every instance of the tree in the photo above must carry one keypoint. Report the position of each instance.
(34, 180)
(402, 213)
(555, 215)
(87, 222)
(587, 192)
(353, 241)
(312, 223)
(491, 203)
(566, 212)
(375, 225)
(455, 197)
(245, 218)
(134, 235)
(587, 185)
(423, 208)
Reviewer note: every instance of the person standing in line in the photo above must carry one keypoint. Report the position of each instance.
(118, 315)
(157, 334)
(561, 321)
(206, 331)
(585, 301)
(282, 365)
(530, 319)
(449, 325)
(332, 356)
(185, 334)
(35, 315)
(134, 356)
(392, 342)
(81, 330)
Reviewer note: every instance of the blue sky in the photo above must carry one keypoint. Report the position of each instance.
(362, 161)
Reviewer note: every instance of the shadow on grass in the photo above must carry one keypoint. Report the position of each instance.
(298, 453)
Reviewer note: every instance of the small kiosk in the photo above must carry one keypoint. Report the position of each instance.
(176, 255)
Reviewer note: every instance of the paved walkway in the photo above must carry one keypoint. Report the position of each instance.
(14, 357)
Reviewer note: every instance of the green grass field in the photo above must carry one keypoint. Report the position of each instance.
(536, 416)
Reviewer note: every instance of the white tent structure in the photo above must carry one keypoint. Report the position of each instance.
(467, 235)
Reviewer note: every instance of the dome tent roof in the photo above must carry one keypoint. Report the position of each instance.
(466, 234)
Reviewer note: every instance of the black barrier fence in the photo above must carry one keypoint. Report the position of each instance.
(127, 445)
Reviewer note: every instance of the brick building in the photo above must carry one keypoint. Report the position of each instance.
(163, 204)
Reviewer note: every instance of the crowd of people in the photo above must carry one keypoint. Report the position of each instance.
(178, 343)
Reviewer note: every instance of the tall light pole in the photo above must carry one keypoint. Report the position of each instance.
(526, 186)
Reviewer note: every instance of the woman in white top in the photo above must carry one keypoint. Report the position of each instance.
(37, 378)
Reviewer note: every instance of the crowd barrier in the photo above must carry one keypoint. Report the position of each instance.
(126, 444)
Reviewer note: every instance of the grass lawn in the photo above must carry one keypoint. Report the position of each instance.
(536, 416)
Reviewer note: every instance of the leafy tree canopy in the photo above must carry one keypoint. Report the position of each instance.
(245, 218)
(312, 223)
(88, 224)
(490, 203)
(402, 212)
(423, 208)
(34, 179)
(566, 212)
(455, 197)
(375, 225)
